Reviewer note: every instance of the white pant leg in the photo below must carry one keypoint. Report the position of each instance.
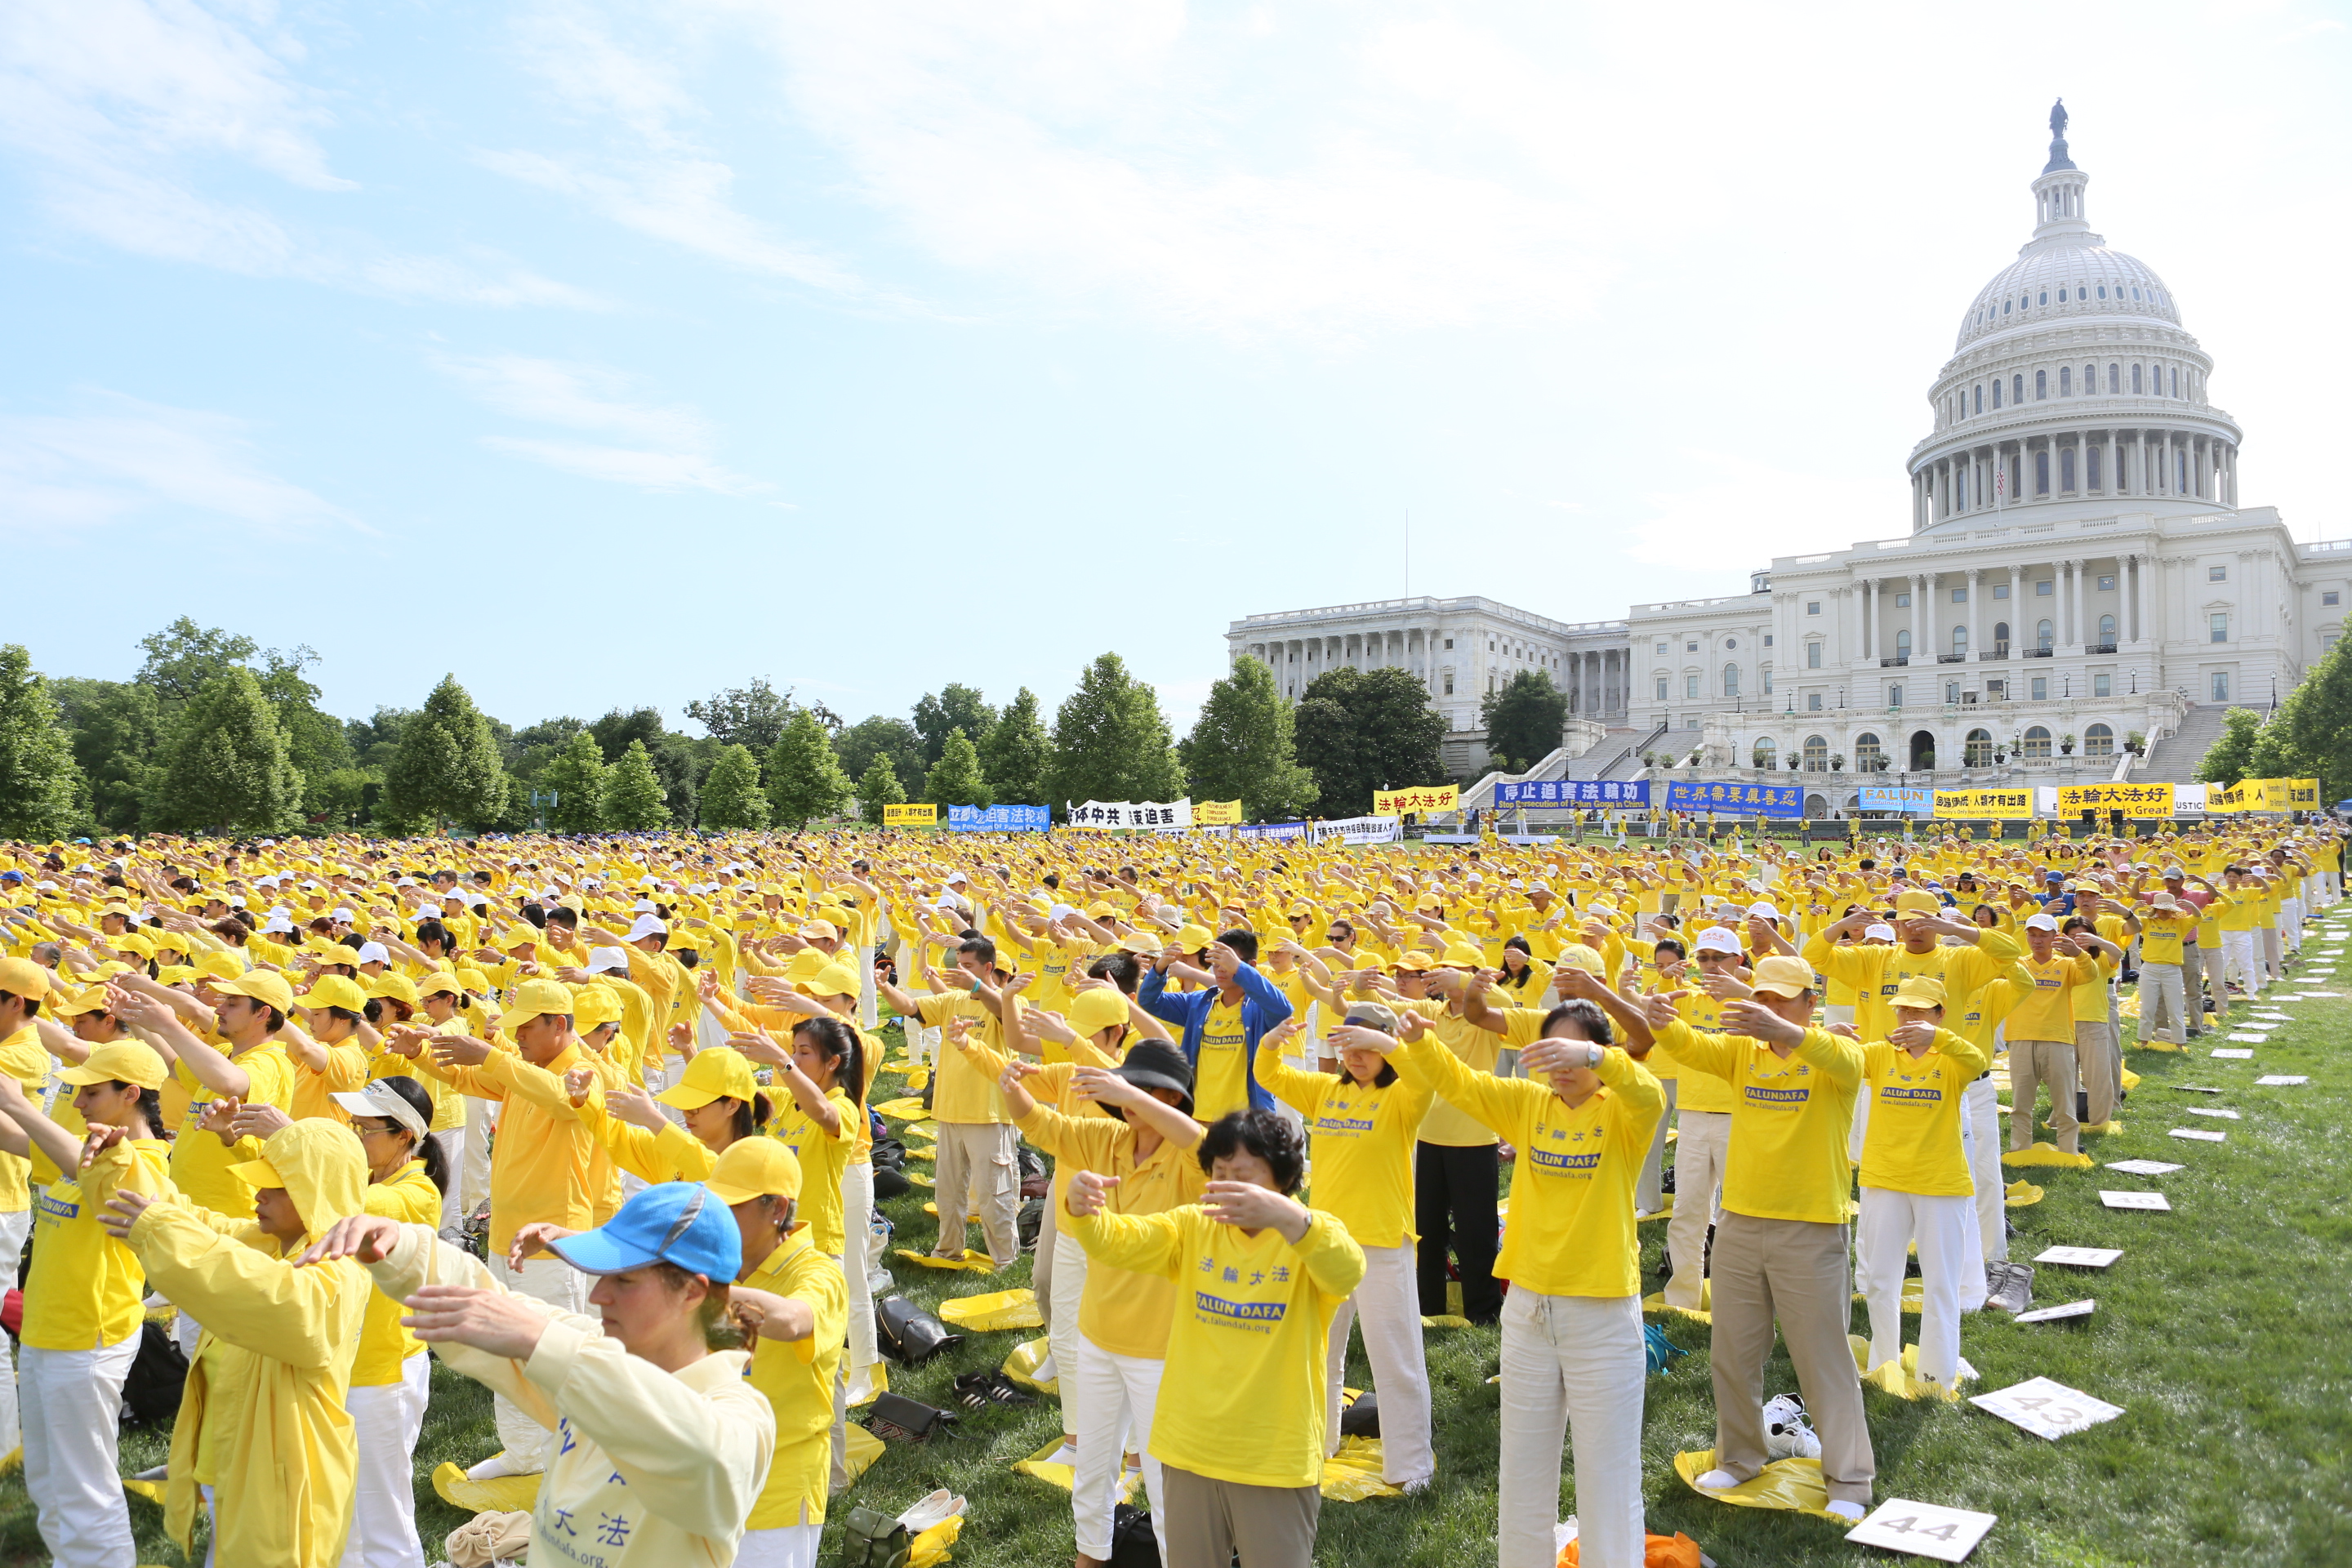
(1942, 1223)
(452, 1140)
(2239, 962)
(1335, 1373)
(1983, 1103)
(1881, 1238)
(1117, 1395)
(212, 1530)
(473, 1171)
(1062, 1319)
(14, 1230)
(1388, 1303)
(791, 1546)
(1861, 1102)
(1972, 1264)
(1702, 1142)
(2163, 1003)
(857, 1225)
(1571, 1364)
(386, 1419)
(556, 1282)
(869, 1000)
(69, 1399)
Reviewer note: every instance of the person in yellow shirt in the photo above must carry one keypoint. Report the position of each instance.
(2238, 902)
(1360, 1142)
(1780, 1250)
(1145, 1144)
(2094, 1042)
(539, 1168)
(979, 1161)
(1238, 1432)
(23, 986)
(790, 1298)
(2166, 927)
(263, 1434)
(2041, 1033)
(82, 1307)
(660, 1444)
(1916, 1184)
(1701, 1106)
(1574, 1357)
(392, 1376)
(330, 1051)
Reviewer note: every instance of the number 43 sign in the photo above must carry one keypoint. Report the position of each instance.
(1922, 1529)
(2047, 1409)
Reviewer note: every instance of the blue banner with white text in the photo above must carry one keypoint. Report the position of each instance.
(1000, 818)
(1619, 794)
(1783, 801)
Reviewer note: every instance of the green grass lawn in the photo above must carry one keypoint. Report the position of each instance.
(2220, 1331)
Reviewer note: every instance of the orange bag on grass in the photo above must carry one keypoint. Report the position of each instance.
(1676, 1550)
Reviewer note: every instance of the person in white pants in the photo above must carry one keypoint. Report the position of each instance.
(1915, 1182)
(82, 1306)
(1574, 1357)
(1362, 1126)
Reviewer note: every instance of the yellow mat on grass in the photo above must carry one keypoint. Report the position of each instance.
(928, 1131)
(152, 1491)
(1901, 1378)
(1665, 1212)
(1792, 1484)
(976, 1261)
(1022, 1366)
(878, 1384)
(1353, 1474)
(2131, 1081)
(2021, 1194)
(1040, 1465)
(919, 1179)
(909, 1109)
(1914, 1296)
(2046, 1154)
(1702, 1313)
(995, 1311)
(508, 1494)
(931, 1546)
(1445, 1320)
(864, 1448)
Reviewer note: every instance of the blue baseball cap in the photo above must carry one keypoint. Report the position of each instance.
(676, 1222)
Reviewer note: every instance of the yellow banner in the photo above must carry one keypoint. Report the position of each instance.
(2264, 794)
(910, 816)
(2139, 802)
(1428, 797)
(2303, 795)
(1984, 804)
(1216, 814)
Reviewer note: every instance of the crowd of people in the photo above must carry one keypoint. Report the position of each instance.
(590, 1120)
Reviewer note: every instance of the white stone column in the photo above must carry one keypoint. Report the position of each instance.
(1976, 577)
(2018, 629)
(2075, 603)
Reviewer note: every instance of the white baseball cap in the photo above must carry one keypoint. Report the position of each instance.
(373, 952)
(607, 960)
(646, 926)
(2040, 922)
(1719, 938)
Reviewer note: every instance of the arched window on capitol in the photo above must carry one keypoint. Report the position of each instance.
(1731, 680)
(2037, 742)
(1977, 750)
(2042, 633)
(2098, 741)
(2001, 637)
(1764, 755)
(1867, 752)
(1817, 754)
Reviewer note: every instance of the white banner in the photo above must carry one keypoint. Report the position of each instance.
(1106, 815)
(1362, 830)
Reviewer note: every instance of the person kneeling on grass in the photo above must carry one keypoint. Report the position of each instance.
(1238, 1426)
(661, 1443)
(1572, 1339)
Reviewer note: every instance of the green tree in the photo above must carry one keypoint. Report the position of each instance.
(1524, 721)
(632, 793)
(229, 771)
(956, 779)
(577, 778)
(185, 657)
(446, 768)
(883, 737)
(957, 707)
(2315, 723)
(1111, 741)
(804, 778)
(39, 782)
(1015, 754)
(2228, 759)
(751, 716)
(1364, 730)
(1242, 747)
(877, 788)
(732, 800)
(117, 735)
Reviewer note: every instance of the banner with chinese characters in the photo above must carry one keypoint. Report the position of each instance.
(1919, 801)
(1216, 813)
(2265, 794)
(1000, 818)
(1984, 804)
(2303, 795)
(1621, 794)
(1373, 829)
(1426, 798)
(914, 816)
(2139, 802)
(1273, 830)
(1773, 800)
(1106, 815)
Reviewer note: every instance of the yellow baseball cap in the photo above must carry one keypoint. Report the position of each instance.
(399, 987)
(535, 999)
(712, 1074)
(334, 991)
(1919, 990)
(593, 1006)
(23, 977)
(264, 986)
(1783, 977)
(1577, 955)
(1916, 899)
(753, 1167)
(833, 980)
(1094, 1010)
(123, 1061)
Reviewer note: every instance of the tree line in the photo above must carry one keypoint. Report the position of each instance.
(215, 734)
(2308, 736)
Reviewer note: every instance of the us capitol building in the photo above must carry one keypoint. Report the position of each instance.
(2078, 575)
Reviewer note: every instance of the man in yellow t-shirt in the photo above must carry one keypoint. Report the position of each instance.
(1780, 1250)
(2041, 1033)
(2164, 1013)
(979, 1148)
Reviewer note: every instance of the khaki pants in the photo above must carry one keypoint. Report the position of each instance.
(1274, 1527)
(1794, 1270)
(2197, 965)
(2095, 1058)
(2031, 1064)
(978, 1169)
(2164, 1005)
(1703, 1146)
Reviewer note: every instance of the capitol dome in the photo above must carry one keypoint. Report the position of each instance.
(2072, 380)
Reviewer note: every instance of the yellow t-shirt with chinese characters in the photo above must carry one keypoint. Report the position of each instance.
(1359, 1140)
(1242, 1396)
(797, 1377)
(1912, 1142)
(1220, 1076)
(1789, 1123)
(84, 1289)
(1124, 1310)
(2160, 936)
(822, 1157)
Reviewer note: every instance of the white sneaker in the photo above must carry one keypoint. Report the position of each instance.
(1717, 1481)
(497, 1466)
(1788, 1432)
(1047, 1370)
(1067, 1454)
(1852, 1512)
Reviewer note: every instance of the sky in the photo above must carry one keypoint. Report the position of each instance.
(610, 354)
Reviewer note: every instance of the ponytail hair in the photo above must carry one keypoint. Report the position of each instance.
(843, 1044)
(425, 1147)
(750, 1116)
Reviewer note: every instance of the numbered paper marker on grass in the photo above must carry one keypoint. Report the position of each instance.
(2282, 1079)
(1922, 1529)
(2046, 1408)
(2083, 1309)
(2081, 1256)
(2154, 1202)
(2198, 1135)
(2144, 1167)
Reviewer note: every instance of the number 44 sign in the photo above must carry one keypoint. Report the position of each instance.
(1922, 1529)
(2047, 1409)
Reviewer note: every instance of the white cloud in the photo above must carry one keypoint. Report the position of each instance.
(121, 109)
(127, 458)
(653, 445)
(1738, 514)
